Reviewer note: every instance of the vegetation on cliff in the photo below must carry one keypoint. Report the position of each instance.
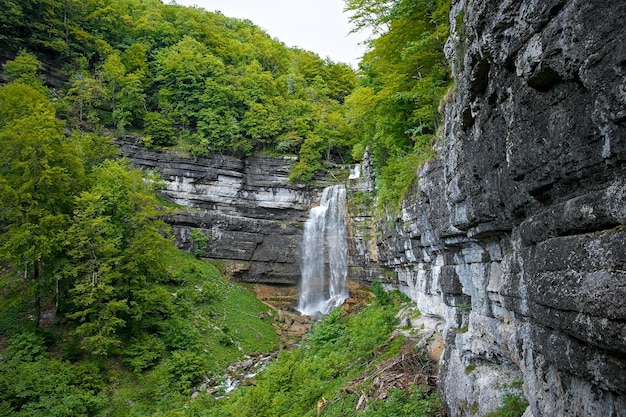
(209, 83)
(99, 312)
(403, 77)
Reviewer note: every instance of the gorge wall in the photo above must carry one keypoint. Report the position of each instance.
(249, 213)
(514, 237)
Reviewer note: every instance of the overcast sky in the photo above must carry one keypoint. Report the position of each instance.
(320, 26)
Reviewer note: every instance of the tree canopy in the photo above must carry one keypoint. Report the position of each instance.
(404, 75)
(219, 84)
(94, 293)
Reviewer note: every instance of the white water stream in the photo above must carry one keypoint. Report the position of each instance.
(324, 262)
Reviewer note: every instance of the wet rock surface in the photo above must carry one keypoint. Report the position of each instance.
(292, 326)
(514, 236)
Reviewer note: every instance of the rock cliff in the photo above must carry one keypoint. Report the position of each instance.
(249, 214)
(514, 236)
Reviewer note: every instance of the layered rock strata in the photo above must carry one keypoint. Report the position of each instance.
(247, 210)
(514, 236)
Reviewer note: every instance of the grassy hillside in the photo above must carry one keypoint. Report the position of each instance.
(213, 323)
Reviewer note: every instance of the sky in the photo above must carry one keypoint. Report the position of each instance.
(320, 26)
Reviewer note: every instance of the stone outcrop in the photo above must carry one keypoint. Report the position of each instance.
(249, 213)
(514, 236)
(363, 261)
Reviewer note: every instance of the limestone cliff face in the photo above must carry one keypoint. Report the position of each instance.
(248, 210)
(515, 234)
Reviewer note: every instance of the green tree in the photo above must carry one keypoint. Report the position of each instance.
(112, 74)
(118, 254)
(39, 173)
(261, 121)
(126, 90)
(341, 80)
(47, 24)
(24, 69)
(92, 148)
(309, 160)
(223, 84)
(135, 59)
(218, 120)
(181, 71)
(405, 74)
(131, 101)
(159, 129)
(11, 23)
(86, 93)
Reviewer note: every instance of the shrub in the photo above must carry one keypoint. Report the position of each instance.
(25, 347)
(143, 352)
(186, 370)
(200, 242)
(159, 129)
(512, 406)
(382, 297)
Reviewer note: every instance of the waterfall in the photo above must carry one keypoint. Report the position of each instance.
(324, 262)
(355, 172)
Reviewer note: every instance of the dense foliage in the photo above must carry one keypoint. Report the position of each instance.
(210, 323)
(100, 314)
(183, 75)
(403, 77)
(209, 83)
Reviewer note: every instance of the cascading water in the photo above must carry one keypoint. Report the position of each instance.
(324, 263)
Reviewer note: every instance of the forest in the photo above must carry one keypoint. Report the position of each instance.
(100, 313)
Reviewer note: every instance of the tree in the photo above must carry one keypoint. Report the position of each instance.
(309, 160)
(125, 89)
(159, 129)
(47, 24)
(118, 253)
(134, 58)
(112, 74)
(218, 120)
(11, 23)
(86, 93)
(261, 121)
(40, 170)
(341, 80)
(404, 75)
(24, 69)
(130, 102)
(372, 14)
(181, 71)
